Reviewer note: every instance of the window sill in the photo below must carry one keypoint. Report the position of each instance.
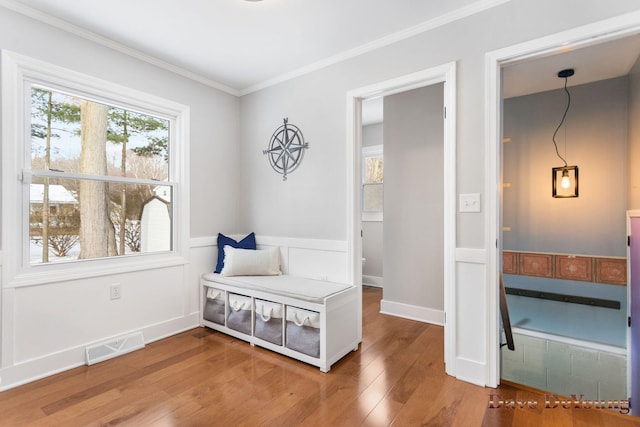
(45, 274)
(372, 217)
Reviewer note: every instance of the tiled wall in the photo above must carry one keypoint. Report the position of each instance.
(611, 271)
(565, 369)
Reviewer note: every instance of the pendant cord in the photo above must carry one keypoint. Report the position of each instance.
(564, 116)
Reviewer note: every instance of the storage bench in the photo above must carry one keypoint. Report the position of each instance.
(313, 321)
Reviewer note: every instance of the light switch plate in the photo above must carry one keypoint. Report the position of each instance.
(470, 202)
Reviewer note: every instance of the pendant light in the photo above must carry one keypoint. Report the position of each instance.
(564, 178)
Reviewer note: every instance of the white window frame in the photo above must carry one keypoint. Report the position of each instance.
(18, 74)
(370, 151)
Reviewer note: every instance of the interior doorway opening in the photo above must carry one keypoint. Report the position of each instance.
(444, 75)
(558, 52)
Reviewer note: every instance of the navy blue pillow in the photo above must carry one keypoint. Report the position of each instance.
(249, 242)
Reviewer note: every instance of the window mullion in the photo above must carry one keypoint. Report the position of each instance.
(28, 174)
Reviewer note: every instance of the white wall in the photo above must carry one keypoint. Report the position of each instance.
(372, 250)
(46, 327)
(414, 199)
(596, 140)
(373, 135)
(312, 203)
(372, 242)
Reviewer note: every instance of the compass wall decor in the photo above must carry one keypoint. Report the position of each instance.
(286, 149)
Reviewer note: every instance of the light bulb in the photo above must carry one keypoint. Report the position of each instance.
(565, 182)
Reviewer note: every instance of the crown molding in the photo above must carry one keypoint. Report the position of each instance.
(423, 27)
(463, 12)
(111, 44)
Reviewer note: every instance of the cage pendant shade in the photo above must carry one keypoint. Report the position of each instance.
(565, 181)
(564, 178)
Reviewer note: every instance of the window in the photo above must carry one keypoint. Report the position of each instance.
(100, 172)
(372, 183)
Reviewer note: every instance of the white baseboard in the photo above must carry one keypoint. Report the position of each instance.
(375, 281)
(51, 364)
(413, 312)
(471, 371)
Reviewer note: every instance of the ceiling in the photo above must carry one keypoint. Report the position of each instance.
(592, 63)
(240, 46)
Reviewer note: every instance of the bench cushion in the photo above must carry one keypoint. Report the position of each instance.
(290, 286)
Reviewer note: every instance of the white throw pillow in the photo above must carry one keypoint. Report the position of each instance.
(249, 262)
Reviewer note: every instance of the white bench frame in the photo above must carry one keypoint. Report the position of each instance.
(338, 321)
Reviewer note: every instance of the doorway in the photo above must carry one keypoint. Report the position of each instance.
(445, 75)
(373, 192)
(633, 350)
(588, 37)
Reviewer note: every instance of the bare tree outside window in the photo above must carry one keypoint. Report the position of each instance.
(372, 183)
(94, 168)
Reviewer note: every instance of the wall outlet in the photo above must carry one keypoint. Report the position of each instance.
(116, 291)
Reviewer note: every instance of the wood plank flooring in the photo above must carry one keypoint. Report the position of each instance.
(205, 378)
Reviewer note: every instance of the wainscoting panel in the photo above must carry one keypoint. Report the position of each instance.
(311, 258)
(470, 320)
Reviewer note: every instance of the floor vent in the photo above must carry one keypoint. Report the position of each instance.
(115, 347)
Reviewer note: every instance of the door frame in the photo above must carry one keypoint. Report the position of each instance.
(633, 213)
(588, 35)
(446, 74)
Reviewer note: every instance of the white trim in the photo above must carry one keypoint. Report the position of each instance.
(203, 242)
(292, 242)
(354, 195)
(471, 256)
(17, 72)
(53, 363)
(572, 341)
(587, 35)
(27, 177)
(7, 345)
(467, 370)
(312, 258)
(440, 21)
(634, 213)
(446, 74)
(372, 151)
(82, 269)
(375, 281)
(413, 312)
(372, 217)
(104, 41)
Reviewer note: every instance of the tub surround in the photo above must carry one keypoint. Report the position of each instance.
(573, 321)
(606, 270)
(550, 363)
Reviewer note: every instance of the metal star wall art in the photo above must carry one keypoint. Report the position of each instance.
(286, 149)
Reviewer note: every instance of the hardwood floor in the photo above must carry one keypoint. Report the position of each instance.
(205, 378)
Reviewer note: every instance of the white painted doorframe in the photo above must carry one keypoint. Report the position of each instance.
(442, 74)
(587, 35)
(632, 332)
